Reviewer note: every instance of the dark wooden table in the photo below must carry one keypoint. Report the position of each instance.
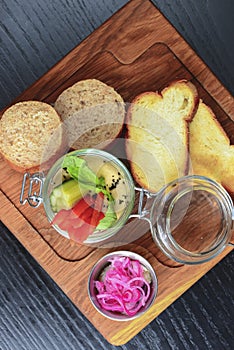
(34, 313)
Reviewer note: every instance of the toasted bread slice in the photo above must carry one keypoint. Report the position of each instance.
(93, 114)
(157, 134)
(31, 136)
(210, 150)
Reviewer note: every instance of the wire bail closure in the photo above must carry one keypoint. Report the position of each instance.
(143, 211)
(34, 195)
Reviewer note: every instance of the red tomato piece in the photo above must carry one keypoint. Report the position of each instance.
(75, 223)
(72, 215)
(97, 209)
(81, 221)
(78, 221)
(64, 225)
(83, 204)
(81, 234)
(86, 215)
(72, 234)
(60, 217)
(101, 216)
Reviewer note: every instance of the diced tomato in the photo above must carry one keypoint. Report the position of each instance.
(101, 216)
(72, 215)
(72, 234)
(76, 222)
(86, 215)
(97, 209)
(64, 225)
(60, 217)
(79, 227)
(83, 204)
(81, 234)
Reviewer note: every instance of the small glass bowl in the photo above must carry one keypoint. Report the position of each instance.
(54, 176)
(98, 269)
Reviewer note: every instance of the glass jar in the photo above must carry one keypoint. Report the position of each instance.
(55, 178)
(190, 218)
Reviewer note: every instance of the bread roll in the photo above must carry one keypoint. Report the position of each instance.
(157, 134)
(93, 114)
(31, 136)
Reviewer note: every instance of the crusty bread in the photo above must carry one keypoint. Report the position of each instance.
(30, 136)
(93, 114)
(210, 150)
(157, 134)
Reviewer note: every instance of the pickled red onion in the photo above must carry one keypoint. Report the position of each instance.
(123, 287)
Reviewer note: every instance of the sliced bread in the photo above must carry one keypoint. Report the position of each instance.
(157, 134)
(210, 150)
(93, 114)
(31, 136)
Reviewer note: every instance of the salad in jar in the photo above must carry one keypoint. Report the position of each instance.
(91, 195)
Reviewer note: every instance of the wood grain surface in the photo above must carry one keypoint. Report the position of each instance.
(27, 320)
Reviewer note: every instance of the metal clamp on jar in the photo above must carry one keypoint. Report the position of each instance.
(190, 218)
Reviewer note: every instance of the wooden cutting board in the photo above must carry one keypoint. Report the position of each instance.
(134, 51)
